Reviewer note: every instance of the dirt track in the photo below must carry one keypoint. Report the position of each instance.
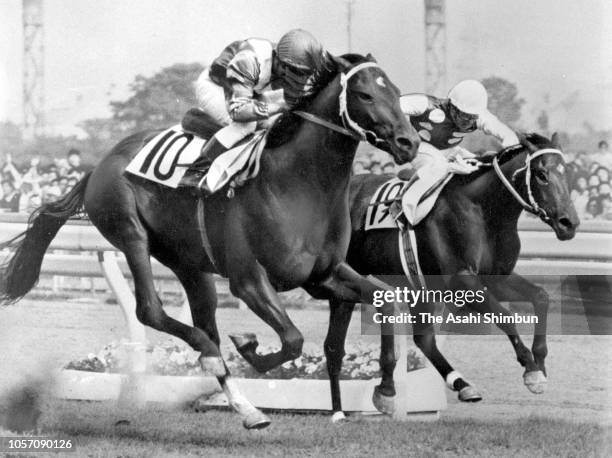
(37, 335)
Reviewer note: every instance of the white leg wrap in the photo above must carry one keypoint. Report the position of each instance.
(235, 399)
(338, 416)
(451, 378)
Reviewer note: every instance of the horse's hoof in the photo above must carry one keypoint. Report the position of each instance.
(535, 381)
(212, 365)
(469, 394)
(338, 418)
(384, 404)
(256, 420)
(244, 342)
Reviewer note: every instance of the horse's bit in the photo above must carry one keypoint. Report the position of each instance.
(532, 206)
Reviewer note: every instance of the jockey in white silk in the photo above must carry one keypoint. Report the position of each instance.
(442, 124)
(249, 83)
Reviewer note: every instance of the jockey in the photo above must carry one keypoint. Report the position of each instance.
(251, 81)
(442, 124)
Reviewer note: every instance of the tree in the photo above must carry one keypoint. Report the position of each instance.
(543, 122)
(503, 99)
(157, 101)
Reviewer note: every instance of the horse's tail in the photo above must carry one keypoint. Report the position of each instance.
(19, 273)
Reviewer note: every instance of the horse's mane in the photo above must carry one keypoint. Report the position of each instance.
(505, 155)
(288, 123)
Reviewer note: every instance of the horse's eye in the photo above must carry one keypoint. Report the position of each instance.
(541, 176)
(364, 97)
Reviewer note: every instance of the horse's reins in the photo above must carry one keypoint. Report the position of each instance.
(349, 127)
(532, 206)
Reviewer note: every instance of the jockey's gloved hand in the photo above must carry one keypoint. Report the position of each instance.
(461, 167)
(463, 153)
(278, 107)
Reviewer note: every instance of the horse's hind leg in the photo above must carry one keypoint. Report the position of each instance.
(339, 319)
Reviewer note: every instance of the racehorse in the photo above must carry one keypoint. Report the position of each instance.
(471, 236)
(287, 227)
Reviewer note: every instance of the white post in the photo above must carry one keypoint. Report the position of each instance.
(184, 315)
(401, 367)
(133, 391)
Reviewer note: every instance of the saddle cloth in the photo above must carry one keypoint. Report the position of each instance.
(166, 157)
(417, 199)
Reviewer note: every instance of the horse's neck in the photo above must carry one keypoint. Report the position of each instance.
(494, 198)
(317, 154)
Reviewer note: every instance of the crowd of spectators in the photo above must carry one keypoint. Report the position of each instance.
(589, 178)
(25, 188)
(590, 182)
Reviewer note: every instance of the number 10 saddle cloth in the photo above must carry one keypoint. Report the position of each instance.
(165, 159)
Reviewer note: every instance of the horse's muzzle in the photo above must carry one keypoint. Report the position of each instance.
(565, 226)
(404, 148)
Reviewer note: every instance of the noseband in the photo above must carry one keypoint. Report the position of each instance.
(349, 127)
(532, 206)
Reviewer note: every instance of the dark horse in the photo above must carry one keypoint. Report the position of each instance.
(471, 238)
(288, 227)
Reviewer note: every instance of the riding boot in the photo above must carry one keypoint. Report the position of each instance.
(196, 173)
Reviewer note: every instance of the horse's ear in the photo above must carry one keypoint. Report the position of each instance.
(341, 63)
(555, 140)
(371, 58)
(522, 136)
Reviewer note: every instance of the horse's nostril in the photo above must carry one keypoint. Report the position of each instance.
(565, 222)
(403, 142)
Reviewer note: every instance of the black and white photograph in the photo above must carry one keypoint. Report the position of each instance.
(305, 228)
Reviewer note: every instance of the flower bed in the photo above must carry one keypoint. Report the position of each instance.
(172, 358)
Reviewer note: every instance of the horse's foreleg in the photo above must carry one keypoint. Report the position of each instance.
(202, 297)
(150, 312)
(425, 338)
(339, 319)
(249, 281)
(345, 284)
(517, 288)
(466, 280)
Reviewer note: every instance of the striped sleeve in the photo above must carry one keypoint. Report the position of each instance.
(242, 76)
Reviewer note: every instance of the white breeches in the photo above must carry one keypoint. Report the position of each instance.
(211, 100)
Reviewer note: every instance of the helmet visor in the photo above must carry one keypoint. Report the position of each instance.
(299, 81)
(464, 121)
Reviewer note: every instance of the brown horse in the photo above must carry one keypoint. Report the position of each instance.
(288, 227)
(471, 238)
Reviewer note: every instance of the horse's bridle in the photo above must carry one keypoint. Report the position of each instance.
(532, 206)
(349, 127)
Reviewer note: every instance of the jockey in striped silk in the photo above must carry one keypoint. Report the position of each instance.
(249, 83)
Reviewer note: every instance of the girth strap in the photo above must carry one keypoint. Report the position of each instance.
(203, 234)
